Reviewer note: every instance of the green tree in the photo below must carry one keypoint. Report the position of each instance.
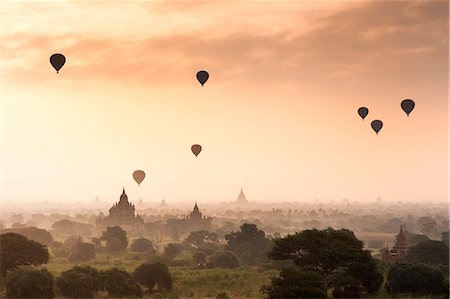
(296, 283)
(417, 279)
(142, 245)
(327, 252)
(116, 239)
(223, 259)
(445, 238)
(199, 238)
(151, 275)
(119, 283)
(26, 282)
(33, 233)
(429, 252)
(249, 239)
(199, 257)
(82, 251)
(16, 250)
(79, 282)
(172, 250)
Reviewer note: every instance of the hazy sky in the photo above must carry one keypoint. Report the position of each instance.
(277, 116)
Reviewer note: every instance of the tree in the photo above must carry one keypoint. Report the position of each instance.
(429, 252)
(328, 251)
(79, 282)
(249, 239)
(82, 251)
(26, 282)
(151, 275)
(199, 238)
(199, 257)
(296, 283)
(116, 239)
(417, 279)
(16, 250)
(119, 283)
(172, 250)
(427, 225)
(224, 259)
(142, 245)
(33, 233)
(445, 238)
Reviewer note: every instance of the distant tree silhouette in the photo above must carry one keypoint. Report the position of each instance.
(33, 233)
(142, 245)
(119, 283)
(26, 282)
(223, 259)
(296, 283)
(199, 257)
(16, 250)
(79, 282)
(82, 251)
(249, 239)
(116, 239)
(417, 279)
(172, 250)
(199, 238)
(151, 275)
(429, 252)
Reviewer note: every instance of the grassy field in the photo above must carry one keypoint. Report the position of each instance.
(242, 282)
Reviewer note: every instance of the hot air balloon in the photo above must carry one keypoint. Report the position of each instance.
(139, 176)
(377, 125)
(57, 61)
(408, 106)
(196, 149)
(202, 77)
(363, 111)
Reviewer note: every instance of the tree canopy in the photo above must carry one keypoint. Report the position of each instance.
(429, 252)
(119, 283)
(16, 250)
(116, 238)
(327, 252)
(26, 282)
(151, 275)
(142, 245)
(417, 279)
(79, 282)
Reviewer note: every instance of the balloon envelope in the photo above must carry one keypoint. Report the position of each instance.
(139, 176)
(196, 149)
(377, 125)
(202, 77)
(57, 61)
(408, 106)
(363, 111)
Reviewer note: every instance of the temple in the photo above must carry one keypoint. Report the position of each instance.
(398, 251)
(122, 214)
(195, 221)
(242, 200)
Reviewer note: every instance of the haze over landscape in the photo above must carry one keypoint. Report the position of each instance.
(277, 116)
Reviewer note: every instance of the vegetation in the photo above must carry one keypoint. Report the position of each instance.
(79, 282)
(416, 279)
(329, 252)
(151, 275)
(82, 251)
(119, 283)
(26, 282)
(429, 252)
(172, 250)
(296, 283)
(142, 245)
(116, 239)
(16, 250)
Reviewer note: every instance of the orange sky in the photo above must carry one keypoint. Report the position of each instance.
(277, 116)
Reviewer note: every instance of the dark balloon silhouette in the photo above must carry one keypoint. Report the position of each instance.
(139, 176)
(196, 149)
(57, 61)
(377, 125)
(363, 111)
(202, 77)
(408, 106)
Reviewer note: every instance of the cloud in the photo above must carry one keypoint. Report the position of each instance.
(366, 42)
